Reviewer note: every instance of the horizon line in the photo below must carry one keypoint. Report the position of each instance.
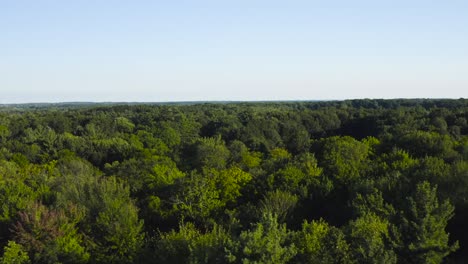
(225, 101)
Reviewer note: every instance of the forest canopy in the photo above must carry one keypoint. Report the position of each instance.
(356, 181)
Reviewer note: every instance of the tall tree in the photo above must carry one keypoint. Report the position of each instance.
(422, 228)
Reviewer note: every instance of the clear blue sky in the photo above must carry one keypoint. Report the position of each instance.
(111, 50)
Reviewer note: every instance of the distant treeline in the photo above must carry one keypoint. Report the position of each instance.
(356, 181)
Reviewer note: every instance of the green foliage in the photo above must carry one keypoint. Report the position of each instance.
(310, 239)
(291, 179)
(15, 195)
(14, 254)
(456, 185)
(373, 203)
(164, 173)
(368, 235)
(344, 158)
(51, 236)
(278, 203)
(229, 183)
(4, 133)
(390, 172)
(280, 155)
(168, 134)
(211, 153)
(124, 125)
(240, 155)
(318, 242)
(422, 143)
(199, 199)
(308, 164)
(111, 223)
(267, 242)
(424, 239)
(203, 196)
(20, 187)
(215, 182)
(189, 245)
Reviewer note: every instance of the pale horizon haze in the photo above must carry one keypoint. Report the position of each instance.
(158, 51)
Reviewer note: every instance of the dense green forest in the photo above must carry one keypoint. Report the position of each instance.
(357, 181)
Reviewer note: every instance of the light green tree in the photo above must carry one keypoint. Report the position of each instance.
(423, 235)
(344, 158)
(318, 242)
(267, 243)
(111, 225)
(14, 253)
(190, 245)
(368, 239)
